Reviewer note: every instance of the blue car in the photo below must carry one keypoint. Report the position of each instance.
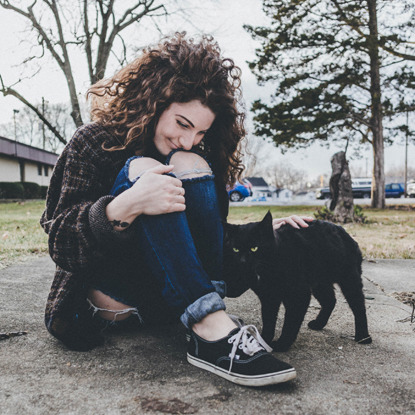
(394, 190)
(240, 191)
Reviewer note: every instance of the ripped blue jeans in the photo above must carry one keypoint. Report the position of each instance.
(182, 253)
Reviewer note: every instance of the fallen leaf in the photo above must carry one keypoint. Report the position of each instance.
(351, 382)
(5, 235)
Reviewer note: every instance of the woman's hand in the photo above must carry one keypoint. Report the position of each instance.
(153, 194)
(293, 220)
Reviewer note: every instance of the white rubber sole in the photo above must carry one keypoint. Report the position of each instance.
(258, 380)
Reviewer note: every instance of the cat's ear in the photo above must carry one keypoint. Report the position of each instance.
(267, 219)
(266, 225)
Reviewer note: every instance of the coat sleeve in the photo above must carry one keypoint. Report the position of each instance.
(75, 217)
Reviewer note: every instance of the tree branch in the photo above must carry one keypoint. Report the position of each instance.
(401, 55)
(348, 21)
(88, 36)
(10, 91)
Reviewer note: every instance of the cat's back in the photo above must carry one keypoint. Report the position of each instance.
(320, 236)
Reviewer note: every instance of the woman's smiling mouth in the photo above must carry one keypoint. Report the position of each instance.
(175, 146)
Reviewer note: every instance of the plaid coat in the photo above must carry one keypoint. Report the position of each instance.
(79, 231)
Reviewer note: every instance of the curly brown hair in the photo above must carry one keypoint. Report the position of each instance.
(176, 70)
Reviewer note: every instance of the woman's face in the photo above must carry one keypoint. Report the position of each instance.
(182, 125)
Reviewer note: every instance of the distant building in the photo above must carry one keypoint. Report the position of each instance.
(261, 191)
(284, 195)
(23, 163)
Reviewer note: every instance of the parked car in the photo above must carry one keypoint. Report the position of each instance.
(395, 190)
(323, 193)
(410, 189)
(240, 191)
(363, 191)
(361, 188)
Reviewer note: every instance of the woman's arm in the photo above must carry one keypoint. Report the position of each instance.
(74, 217)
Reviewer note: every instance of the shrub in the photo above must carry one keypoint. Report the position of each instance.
(325, 213)
(43, 191)
(11, 190)
(31, 190)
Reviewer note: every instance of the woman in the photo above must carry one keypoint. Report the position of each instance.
(146, 245)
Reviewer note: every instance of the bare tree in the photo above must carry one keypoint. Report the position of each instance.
(256, 155)
(285, 175)
(62, 28)
(30, 130)
(399, 172)
(26, 126)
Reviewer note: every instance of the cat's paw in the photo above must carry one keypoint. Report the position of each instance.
(278, 346)
(315, 325)
(364, 340)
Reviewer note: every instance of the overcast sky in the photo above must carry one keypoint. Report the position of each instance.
(223, 18)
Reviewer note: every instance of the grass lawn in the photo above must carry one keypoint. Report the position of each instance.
(389, 233)
(21, 236)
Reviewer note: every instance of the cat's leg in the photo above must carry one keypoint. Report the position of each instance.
(352, 289)
(270, 306)
(296, 307)
(325, 296)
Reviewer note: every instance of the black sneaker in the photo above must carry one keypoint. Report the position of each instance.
(242, 357)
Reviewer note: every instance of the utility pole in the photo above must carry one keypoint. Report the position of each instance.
(406, 153)
(15, 131)
(43, 124)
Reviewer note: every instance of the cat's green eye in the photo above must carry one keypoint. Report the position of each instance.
(254, 249)
(235, 250)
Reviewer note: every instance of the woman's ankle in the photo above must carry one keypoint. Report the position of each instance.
(214, 326)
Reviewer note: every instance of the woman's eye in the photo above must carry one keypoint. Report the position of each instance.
(235, 250)
(254, 249)
(181, 124)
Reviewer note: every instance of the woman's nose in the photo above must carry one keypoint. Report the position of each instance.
(186, 141)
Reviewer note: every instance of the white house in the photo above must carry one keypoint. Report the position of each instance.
(261, 192)
(284, 195)
(23, 163)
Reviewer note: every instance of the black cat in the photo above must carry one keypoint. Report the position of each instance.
(288, 265)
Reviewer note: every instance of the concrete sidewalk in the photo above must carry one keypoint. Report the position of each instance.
(147, 372)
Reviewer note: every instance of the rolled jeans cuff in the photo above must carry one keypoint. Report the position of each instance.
(203, 306)
(220, 287)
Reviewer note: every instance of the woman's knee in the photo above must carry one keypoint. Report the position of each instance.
(187, 165)
(140, 165)
(108, 308)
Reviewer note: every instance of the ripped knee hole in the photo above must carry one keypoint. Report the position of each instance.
(188, 164)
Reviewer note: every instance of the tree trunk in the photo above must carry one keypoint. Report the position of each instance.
(378, 182)
(341, 189)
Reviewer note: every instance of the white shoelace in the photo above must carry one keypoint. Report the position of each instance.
(249, 341)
